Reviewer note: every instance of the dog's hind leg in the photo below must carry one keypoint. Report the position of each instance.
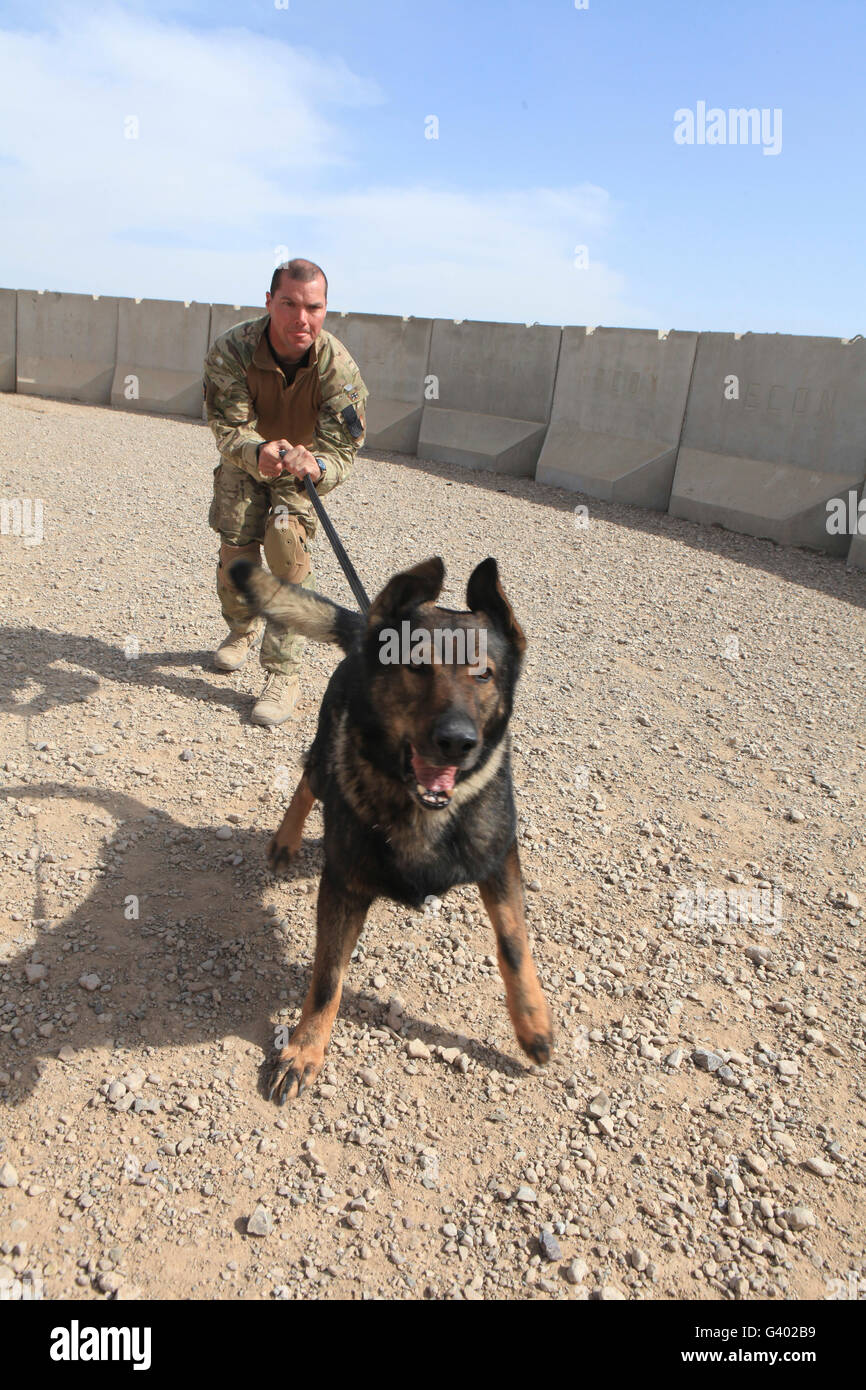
(502, 895)
(339, 920)
(287, 841)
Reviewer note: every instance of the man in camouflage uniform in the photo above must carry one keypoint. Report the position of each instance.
(284, 400)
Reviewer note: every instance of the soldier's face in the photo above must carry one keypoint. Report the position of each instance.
(297, 311)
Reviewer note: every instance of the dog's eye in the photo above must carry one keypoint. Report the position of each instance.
(485, 675)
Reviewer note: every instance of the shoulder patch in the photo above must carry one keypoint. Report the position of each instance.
(353, 424)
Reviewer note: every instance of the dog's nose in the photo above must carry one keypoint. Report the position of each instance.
(455, 735)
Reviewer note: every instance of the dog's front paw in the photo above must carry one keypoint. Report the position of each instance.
(534, 1030)
(280, 855)
(293, 1070)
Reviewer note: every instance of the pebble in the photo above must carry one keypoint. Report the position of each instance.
(224, 832)
(418, 1049)
(799, 1218)
(577, 1271)
(756, 1163)
(638, 1258)
(549, 1246)
(525, 1194)
(820, 1167)
(759, 954)
(261, 1223)
(599, 1105)
(90, 982)
(8, 1176)
(706, 1060)
(35, 973)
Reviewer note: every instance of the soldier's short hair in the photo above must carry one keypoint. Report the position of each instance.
(298, 269)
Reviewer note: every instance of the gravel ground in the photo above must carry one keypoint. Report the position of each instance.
(690, 722)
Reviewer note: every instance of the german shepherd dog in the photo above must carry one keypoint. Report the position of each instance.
(411, 763)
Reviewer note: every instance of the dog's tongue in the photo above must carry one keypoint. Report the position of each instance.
(435, 779)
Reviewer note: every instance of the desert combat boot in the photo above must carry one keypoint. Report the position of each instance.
(277, 700)
(231, 654)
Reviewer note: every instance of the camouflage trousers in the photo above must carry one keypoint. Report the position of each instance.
(248, 515)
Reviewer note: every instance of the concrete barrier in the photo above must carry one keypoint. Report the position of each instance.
(857, 553)
(617, 413)
(7, 340)
(493, 385)
(791, 437)
(225, 316)
(392, 355)
(161, 347)
(67, 344)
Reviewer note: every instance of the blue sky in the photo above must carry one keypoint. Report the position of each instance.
(303, 128)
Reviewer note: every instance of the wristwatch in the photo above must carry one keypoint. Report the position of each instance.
(324, 468)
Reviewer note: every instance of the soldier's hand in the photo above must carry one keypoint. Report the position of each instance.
(300, 462)
(270, 464)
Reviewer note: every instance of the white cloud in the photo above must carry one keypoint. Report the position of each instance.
(240, 134)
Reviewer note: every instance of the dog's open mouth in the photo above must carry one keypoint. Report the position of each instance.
(432, 785)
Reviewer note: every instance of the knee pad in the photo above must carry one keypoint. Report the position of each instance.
(286, 547)
(230, 553)
(227, 556)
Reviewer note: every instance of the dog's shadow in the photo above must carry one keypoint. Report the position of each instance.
(150, 991)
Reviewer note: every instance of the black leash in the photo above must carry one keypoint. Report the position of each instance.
(337, 546)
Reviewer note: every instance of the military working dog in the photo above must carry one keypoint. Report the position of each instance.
(411, 762)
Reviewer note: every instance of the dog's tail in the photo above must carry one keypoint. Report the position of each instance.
(294, 608)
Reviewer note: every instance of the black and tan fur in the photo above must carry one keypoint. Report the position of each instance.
(387, 834)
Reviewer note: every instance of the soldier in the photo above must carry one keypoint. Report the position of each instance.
(284, 400)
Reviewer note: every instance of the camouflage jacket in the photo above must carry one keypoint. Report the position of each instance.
(248, 401)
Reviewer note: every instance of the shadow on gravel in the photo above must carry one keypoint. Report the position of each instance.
(205, 907)
(33, 654)
(809, 568)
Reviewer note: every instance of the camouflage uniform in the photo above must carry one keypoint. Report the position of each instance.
(249, 401)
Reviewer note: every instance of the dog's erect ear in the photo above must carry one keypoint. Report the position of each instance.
(484, 594)
(421, 584)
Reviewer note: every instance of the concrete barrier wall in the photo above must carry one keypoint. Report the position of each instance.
(67, 345)
(775, 427)
(7, 339)
(857, 553)
(618, 410)
(225, 316)
(392, 354)
(494, 388)
(161, 347)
